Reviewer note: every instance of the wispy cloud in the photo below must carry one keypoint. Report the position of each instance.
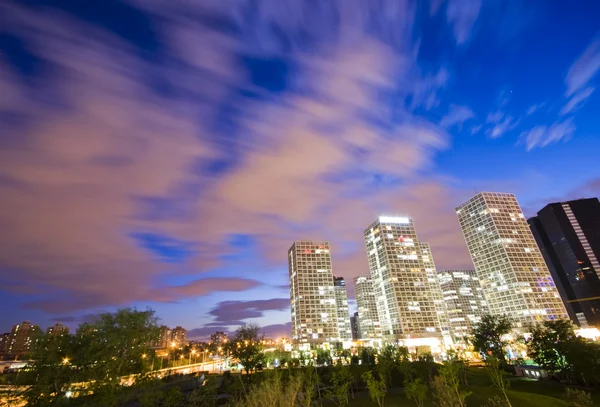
(456, 116)
(579, 76)
(576, 101)
(534, 108)
(502, 126)
(462, 15)
(541, 136)
(584, 68)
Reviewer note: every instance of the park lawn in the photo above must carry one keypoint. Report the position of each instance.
(480, 396)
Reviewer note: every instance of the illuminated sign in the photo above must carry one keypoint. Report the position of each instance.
(392, 219)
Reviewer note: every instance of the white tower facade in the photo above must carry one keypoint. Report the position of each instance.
(401, 283)
(508, 262)
(312, 294)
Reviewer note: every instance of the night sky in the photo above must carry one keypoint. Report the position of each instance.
(166, 154)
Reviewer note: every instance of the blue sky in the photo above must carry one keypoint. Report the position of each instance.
(166, 154)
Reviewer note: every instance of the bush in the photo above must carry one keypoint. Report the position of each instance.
(578, 398)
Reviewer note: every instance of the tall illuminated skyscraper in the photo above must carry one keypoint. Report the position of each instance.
(401, 280)
(464, 300)
(312, 294)
(368, 319)
(343, 314)
(507, 260)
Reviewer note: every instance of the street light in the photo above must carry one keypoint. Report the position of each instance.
(65, 361)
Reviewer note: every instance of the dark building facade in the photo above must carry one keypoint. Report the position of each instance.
(568, 234)
(354, 327)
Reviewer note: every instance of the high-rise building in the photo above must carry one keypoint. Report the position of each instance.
(4, 339)
(436, 292)
(401, 282)
(508, 262)
(179, 336)
(343, 314)
(465, 302)
(368, 319)
(568, 234)
(57, 330)
(353, 326)
(22, 338)
(312, 296)
(164, 338)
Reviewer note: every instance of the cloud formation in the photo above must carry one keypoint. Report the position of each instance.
(462, 15)
(232, 312)
(456, 116)
(541, 136)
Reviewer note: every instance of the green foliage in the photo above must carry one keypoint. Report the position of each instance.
(498, 376)
(340, 383)
(426, 357)
(274, 391)
(446, 387)
(487, 336)
(51, 375)
(547, 344)
(377, 388)
(99, 354)
(173, 398)
(578, 398)
(323, 357)
(583, 358)
(205, 396)
(277, 355)
(496, 401)
(386, 363)
(367, 356)
(246, 346)
(345, 355)
(416, 390)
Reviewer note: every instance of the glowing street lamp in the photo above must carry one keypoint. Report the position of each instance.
(65, 361)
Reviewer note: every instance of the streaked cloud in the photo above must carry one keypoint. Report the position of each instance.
(456, 116)
(584, 69)
(541, 136)
(576, 101)
(462, 15)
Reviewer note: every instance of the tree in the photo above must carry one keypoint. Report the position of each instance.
(367, 356)
(246, 346)
(98, 355)
(416, 390)
(377, 388)
(323, 357)
(497, 376)
(51, 374)
(487, 336)
(547, 344)
(446, 387)
(583, 358)
(341, 380)
(386, 362)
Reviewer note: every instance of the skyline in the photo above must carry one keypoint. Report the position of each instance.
(215, 136)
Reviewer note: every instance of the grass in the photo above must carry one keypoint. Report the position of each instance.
(522, 393)
(480, 397)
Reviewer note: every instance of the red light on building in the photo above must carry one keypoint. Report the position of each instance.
(306, 251)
